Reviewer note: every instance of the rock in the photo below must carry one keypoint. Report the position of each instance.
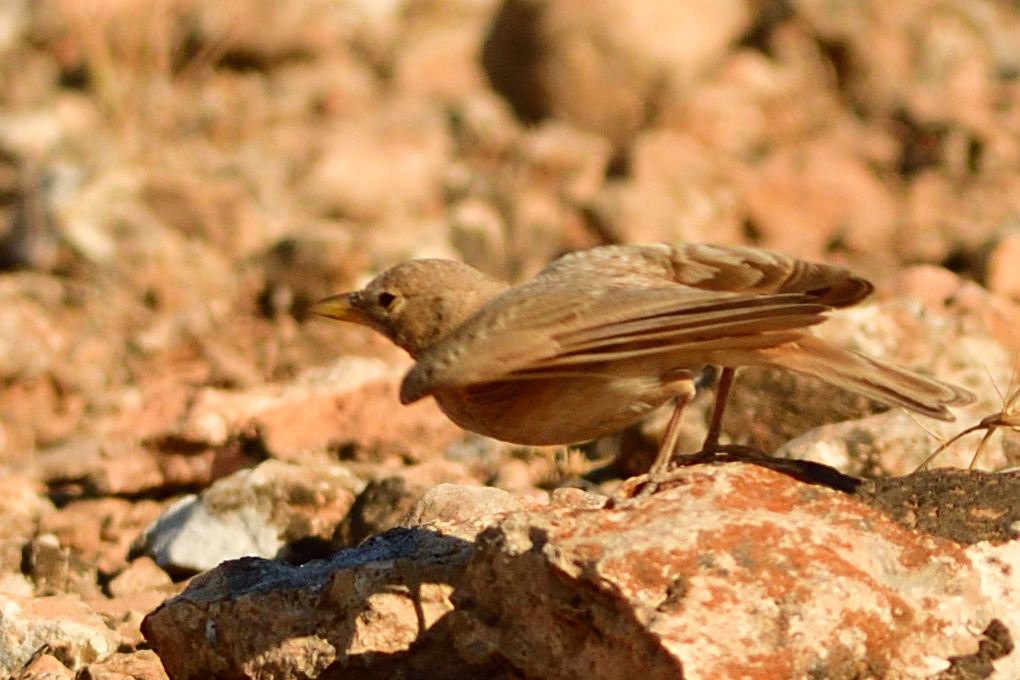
(578, 498)
(142, 575)
(931, 67)
(920, 72)
(484, 130)
(350, 406)
(724, 571)
(43, 665)
(387, 166)
(969, 507)
(647, 55)
(654, 589)
(478, 232)
(22, 505)
(99, 531)
(214, 212)
(536, 178)
(806, 197)
(746, 107)
(677, 190)
(121, 465)
(140, 665)
(55, 569)
(970, 307)
(455, 503)
(38, 342)
(1003, 278)
(943, 224)
(369, 602)
(541, 224)
(14, 19)
(27, 624)
(894, 443)
(125, 614)
(130, 596)
(437, 57)
(563, 155)
(396, 239)
(140, 248)
(266, 511)
(16, 583)
(266, 38)
(386, 500)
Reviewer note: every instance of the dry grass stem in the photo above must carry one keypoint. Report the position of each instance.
(1007, 418)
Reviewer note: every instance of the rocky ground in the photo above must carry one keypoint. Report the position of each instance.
(180, 180)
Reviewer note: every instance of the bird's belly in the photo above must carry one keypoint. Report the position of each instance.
(560, 410)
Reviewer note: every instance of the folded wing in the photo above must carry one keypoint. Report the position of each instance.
(691, 303)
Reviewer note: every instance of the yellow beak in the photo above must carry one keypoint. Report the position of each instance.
(341, 308)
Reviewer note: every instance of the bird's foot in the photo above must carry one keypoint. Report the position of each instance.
(658, 480)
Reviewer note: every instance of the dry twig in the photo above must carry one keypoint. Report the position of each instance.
(1008, 418)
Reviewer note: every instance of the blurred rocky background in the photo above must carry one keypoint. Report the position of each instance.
(180, 180)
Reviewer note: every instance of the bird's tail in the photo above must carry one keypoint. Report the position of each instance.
(865, 375)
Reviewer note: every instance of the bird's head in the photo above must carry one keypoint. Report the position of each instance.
(415, 304)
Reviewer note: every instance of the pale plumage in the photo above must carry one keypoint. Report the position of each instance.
(601, 337)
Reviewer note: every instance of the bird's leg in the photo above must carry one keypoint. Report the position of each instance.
(712, 448)
(667, 447)
(659, 473)
(722, 393)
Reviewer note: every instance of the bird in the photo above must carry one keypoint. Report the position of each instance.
(602, 337)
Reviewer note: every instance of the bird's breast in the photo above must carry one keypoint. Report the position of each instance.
(554, 410)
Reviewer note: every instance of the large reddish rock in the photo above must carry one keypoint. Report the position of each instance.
(728, 571)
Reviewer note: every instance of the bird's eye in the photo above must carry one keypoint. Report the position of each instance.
(386, 300)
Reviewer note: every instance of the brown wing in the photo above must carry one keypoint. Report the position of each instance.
(623, 302)
(711, 268)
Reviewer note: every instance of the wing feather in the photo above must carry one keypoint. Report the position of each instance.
(691, 303)
(552, 328)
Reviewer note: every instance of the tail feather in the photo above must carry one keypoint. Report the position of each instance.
(870, 377)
